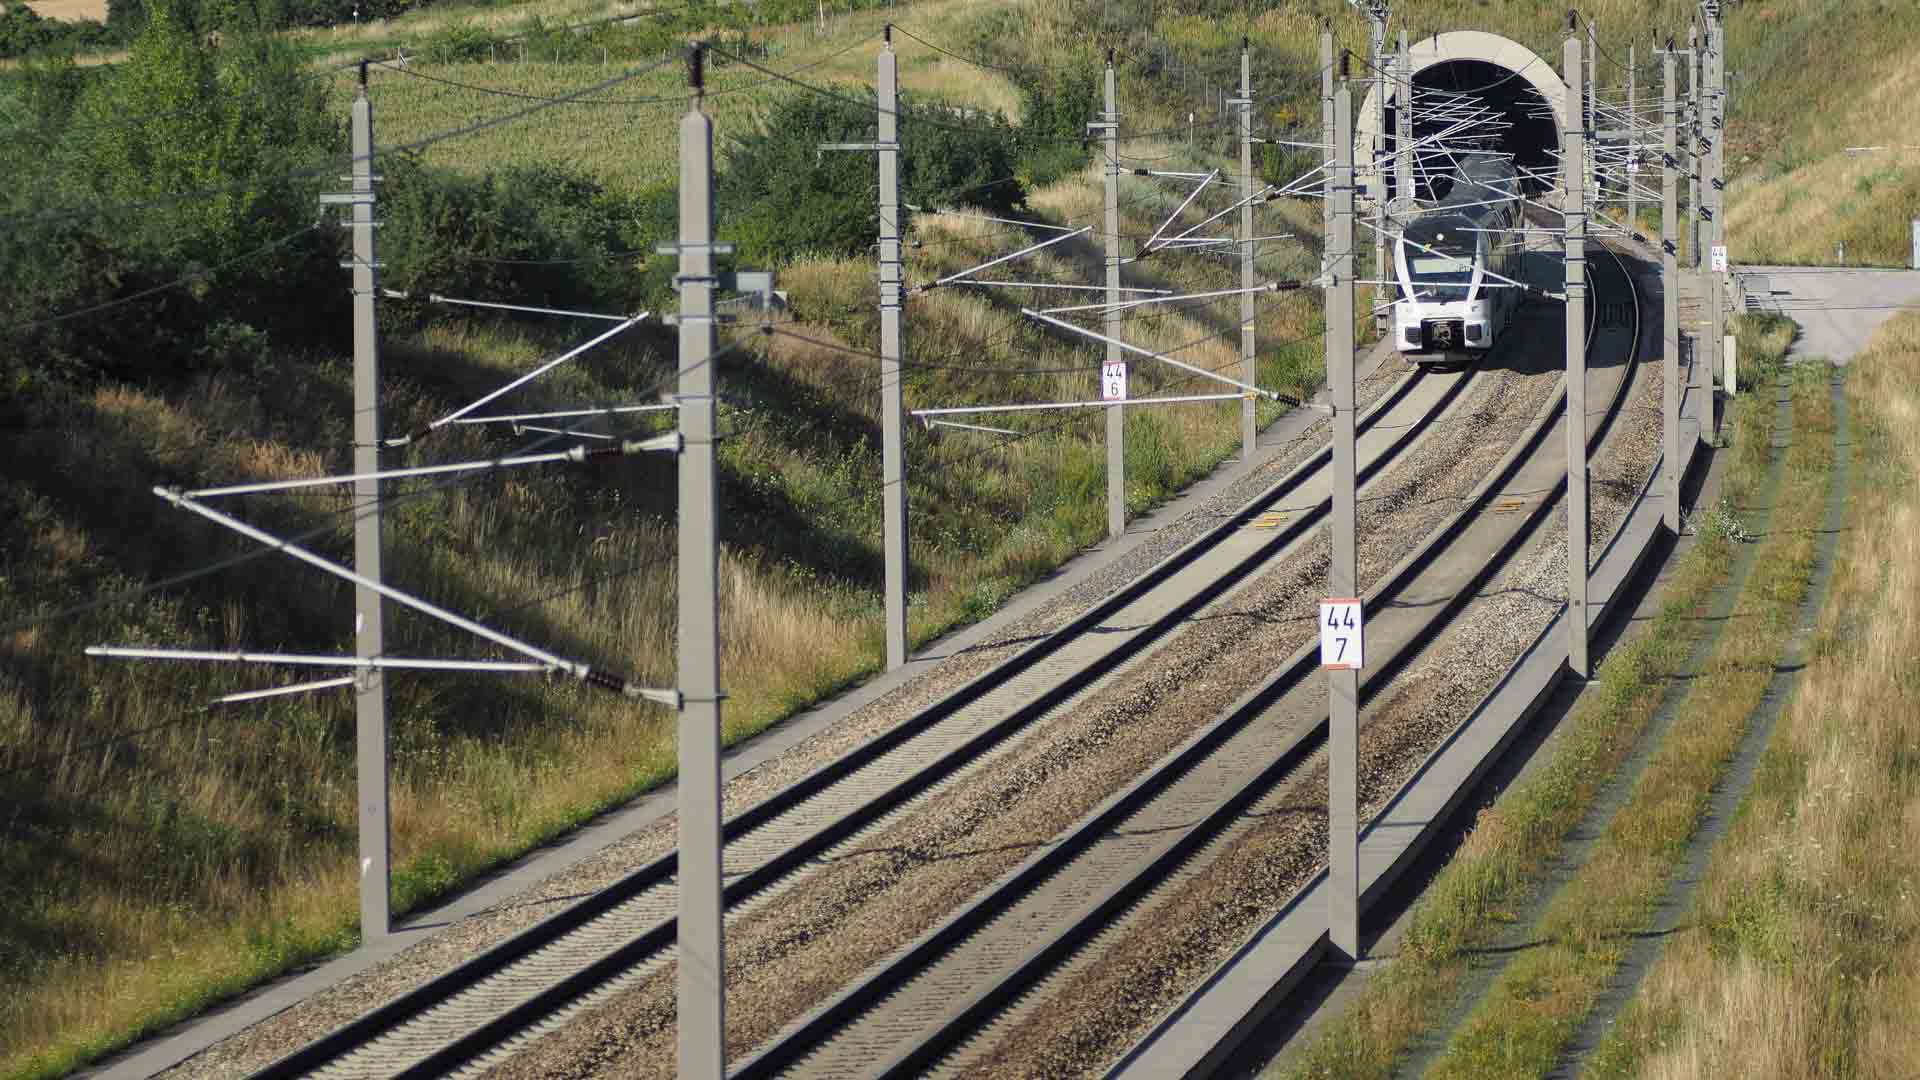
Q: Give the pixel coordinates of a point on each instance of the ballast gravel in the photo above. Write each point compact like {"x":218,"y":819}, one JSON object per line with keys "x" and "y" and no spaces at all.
{"x":786,"y":957}
{"x":265,"y":1042}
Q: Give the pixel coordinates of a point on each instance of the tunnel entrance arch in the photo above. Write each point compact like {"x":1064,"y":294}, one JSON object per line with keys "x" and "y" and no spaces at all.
{"x":1506,"y":75}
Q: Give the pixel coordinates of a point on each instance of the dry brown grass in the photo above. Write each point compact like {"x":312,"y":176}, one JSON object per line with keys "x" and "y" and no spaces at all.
{"x":70,"y":9}
{"x":1521,"y":1026}
{"x":1801,"y":957}
{"x":253,"y":808}
{"x":1794,"y":210}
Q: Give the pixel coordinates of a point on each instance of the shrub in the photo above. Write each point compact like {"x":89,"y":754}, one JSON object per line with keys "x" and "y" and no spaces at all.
{"x":24,"y":32}
{"x":780,"y":196}
{"x":209,"y":154}
{"x":528,"y":233}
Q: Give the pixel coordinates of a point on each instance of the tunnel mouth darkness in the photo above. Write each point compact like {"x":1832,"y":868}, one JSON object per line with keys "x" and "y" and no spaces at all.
{"x":1530,"y":133}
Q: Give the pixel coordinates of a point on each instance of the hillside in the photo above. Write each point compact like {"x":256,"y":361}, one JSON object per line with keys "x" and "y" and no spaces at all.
{"x":155,"y":856}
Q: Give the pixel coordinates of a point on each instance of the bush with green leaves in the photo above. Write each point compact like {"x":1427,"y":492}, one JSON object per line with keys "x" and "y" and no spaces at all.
{"x":24,"y":32}
{"x":529,"y":234}
{"x":191,"y":162}
{"x":781,"y":197}
{"x":1053,"y":133}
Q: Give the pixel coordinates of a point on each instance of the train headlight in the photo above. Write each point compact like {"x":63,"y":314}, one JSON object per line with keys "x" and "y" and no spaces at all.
{"x":1476,"y":332}
{"x":1412,"y":335}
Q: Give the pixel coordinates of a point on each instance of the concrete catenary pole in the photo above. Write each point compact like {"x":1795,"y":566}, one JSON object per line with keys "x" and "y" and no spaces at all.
{"x":1574,"y":157}
{"x":1670,"y":287}
{"x":1116,"y":414}
{"x":1403,"y":124}
{"x":370,"y":686}
{"x":1377,"y":16}
{"x":1695,"y":129}
{"x":1343,"y":684}
{"x":893,"y":498}
{"x":1249,"y":355}
{"x":702,"y":979}
{"x":1590,"y":98}
{"x":1714,"y":189}
{"x":1633,"y":137}
{"x":1326,"y":150}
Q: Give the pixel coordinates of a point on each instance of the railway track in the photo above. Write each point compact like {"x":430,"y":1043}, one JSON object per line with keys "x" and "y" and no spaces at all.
{"x":958,"y":996}
{"x":479,"y":1013}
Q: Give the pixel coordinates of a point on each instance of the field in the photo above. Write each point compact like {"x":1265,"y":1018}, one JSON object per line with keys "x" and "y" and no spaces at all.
{"x":71,"y":9}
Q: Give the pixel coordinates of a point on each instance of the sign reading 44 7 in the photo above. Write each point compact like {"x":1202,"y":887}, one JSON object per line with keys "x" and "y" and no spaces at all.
{"x":1113,"y":381}
{"x":1342,"y":640}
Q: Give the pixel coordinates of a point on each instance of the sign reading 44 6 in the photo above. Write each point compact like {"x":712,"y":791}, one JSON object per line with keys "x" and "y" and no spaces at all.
{"x":1342,"y":640}
{"x":1113,"y":381}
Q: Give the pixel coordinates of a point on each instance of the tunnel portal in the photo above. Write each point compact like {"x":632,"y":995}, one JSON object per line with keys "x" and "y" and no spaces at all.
{"x":1461,"y":73}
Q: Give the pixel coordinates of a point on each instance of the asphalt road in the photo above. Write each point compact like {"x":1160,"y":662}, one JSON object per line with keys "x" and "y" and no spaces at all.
{"x":1838,"y":308}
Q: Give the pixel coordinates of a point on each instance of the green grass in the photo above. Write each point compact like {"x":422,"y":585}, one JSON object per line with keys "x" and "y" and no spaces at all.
{"x":1522,"y":1025}
{"x":1799,"y":955}
{"x":1515,"y":844}
{"x":253,"y":809}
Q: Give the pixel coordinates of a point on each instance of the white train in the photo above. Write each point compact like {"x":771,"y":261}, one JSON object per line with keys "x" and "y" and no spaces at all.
{"x":1449,"y":309}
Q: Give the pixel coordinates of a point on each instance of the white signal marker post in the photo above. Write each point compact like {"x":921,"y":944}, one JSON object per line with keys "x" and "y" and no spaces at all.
{"x":1343,"y":683}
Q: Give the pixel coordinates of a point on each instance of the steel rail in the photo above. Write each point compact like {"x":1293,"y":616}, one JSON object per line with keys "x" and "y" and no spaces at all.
{"x":536,"y":1005}
{"x":967,"y":1018}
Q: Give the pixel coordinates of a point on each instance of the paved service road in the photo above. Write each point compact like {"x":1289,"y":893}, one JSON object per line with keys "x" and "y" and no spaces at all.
{"x":1838,"y":309}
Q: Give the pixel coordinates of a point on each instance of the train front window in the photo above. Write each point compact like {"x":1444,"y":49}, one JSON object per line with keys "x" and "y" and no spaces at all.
{"x":1439,"y":278}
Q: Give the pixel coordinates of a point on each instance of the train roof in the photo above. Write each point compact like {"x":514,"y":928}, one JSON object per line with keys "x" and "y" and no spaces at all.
{"x":1446,"y":231}
{"x":1482,"y":177}
{"x":1483,"y":184}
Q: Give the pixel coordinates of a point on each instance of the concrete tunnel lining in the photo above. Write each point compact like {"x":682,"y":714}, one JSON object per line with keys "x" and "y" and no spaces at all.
{"x":1465,"y":48}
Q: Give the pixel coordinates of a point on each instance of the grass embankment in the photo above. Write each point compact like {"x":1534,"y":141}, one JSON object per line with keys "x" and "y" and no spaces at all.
{"x":158,"y":857}
{"x":1801,"y":957}
{"x":1516,"y":843}
{"x":1792,"y":193}
{"x":1522,"y":1025}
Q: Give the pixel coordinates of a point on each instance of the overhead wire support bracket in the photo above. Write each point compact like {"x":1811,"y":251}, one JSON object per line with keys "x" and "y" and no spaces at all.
{"x":568,"y":414}
{"x":436,"y":298}
{"x":1132,"y":348}
{"x":959,"y":278}
{"x":455,"y":415}
{"x":1178,"y":210}
{"x":575,"y":668}
{"x":926,"y":423}
{"x":134,"y":652}
{"x":1271,"y":286}
{"x":1042,"y":406}
{"x":578,"y":455}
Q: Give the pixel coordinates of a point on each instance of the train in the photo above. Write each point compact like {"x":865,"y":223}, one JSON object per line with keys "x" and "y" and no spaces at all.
{"x":1448,"y":308}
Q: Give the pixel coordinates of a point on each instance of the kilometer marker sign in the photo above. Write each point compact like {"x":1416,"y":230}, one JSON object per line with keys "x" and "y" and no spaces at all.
{"x":1342,"y":640}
